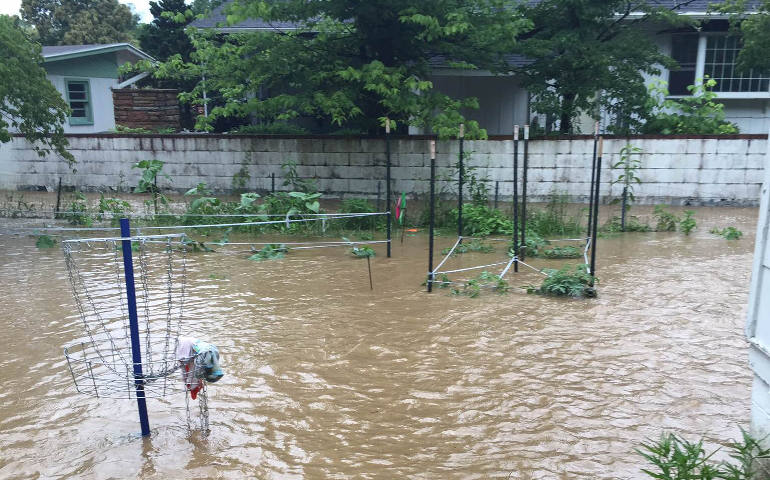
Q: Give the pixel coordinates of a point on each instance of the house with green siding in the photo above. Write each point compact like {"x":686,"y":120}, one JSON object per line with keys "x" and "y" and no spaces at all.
{"x":86,"y":75}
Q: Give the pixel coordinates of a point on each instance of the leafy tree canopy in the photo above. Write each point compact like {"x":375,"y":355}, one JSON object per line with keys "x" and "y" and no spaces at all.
{"x":74,"y":22}
{"x":587,"y":53}
{"x":350,"y":63}
{"x":754,"y":28}
{"x":29,"y":103}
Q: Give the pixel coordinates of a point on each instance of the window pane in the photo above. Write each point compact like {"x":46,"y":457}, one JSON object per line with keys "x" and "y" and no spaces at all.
{"x":77,"y":87}
{"x":77,"y":95}
{"x":74,"y":105}
{"x":721,"y":55}
{"x":78,"y":113}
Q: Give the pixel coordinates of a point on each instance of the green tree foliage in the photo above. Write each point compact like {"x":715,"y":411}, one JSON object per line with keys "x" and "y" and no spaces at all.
{"x":349,"y":64}
{"x":29,"y":103}
{"x":591,"y":52}
{"x":75,"y":22}
{"x":697,"y":114}
{"x":165,"y":35}
{"x":754,"y":26}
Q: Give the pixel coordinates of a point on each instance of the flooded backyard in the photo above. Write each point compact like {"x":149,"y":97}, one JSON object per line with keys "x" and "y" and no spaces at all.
{"x":325,"y":378}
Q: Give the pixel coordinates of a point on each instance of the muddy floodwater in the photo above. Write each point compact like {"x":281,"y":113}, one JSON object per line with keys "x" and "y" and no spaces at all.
{"x":326,"y":378}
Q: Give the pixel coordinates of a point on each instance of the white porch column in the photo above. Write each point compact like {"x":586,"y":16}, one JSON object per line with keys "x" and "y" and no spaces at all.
{"x":758,"y":321}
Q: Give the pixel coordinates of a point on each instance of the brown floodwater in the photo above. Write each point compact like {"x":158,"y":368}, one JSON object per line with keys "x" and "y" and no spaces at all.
{"x":326,"y":378}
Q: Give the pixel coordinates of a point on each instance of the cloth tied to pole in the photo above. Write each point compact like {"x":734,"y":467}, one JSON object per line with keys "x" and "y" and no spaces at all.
{"x":199,"y":362}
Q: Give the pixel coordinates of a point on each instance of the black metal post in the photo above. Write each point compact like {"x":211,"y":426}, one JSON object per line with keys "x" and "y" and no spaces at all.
{"x":58,"y":200}
{"x":432,"y":213}
{"x":136,"y":354}
{"x":497,"y":191}
{"x":272,"y":183}
{"x":379,"y":196}
{"x":589,"y":225}
{"x":623,"y":206}
{"x":523,"y":249}
{"x":596,"y":207}
{"x":516,"y":197}
{"x":387,"y":179}
{"x":460,"y":180}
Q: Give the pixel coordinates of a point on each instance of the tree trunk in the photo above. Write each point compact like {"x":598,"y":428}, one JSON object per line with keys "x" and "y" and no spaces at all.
{"x":567,"y":107}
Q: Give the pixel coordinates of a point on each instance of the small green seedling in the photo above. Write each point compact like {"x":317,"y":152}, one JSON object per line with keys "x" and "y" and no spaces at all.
{"x":472,"y":288}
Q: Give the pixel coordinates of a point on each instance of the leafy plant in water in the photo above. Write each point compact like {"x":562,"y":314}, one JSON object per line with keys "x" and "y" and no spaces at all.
{"x":269,"y":252}
{"x":44,"y":241}
{"x":474,"y":245}
{"x":480,"y":220}
{"x":362,"y":252}
{"x":666,"y":221}
{"x":555,"y":219}
{"x":633,"y":224}
{"x":730,"y":233}
{"x":561,"y":252}
{"x":675,"y":458}
{"x":113,"y":206}
{"x":687,"y":223}
{"x":77,"y":211}
{"x":472,"y":288}
{"x":358,"y":205}
{"x":630,"y":163}
{"x":292,"y":179}
{"x":569,"y":281}
{"x":148,"y":182}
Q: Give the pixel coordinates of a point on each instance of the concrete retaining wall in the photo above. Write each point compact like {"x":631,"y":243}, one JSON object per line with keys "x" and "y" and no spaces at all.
{"x":694,"y":170}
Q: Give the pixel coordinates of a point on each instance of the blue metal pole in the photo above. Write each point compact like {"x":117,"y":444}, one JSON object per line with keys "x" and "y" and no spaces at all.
{"x":136,"y":354}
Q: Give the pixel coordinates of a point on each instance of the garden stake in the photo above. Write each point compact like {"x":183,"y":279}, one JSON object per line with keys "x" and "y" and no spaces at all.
{"x":387,"y":179}
{"x":272,"y":183}
{"x":369,"y":265}
{"x":589,"y":226}
{"x":524,"y":195}
{"x":460,"y":178}
{"x":432,"y":212}
{"x":596,"y":208}
{"x":497,"y":191}
{"x":516,"y":197}
{"x":58,"y":199}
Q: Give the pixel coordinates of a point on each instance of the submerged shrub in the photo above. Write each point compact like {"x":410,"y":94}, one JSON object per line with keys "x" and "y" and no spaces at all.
{"x":568,"y":281}
{"x":730,"y":233}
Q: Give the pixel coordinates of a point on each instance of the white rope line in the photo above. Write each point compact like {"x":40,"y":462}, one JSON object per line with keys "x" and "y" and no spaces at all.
{"x":567,"y":239}
{"x":244,"y":224}
{"x":533,"y":268}
{"x":184,"y":214}
{"x":118,"y":239}
{"x":585,"y":255}
{"x":331,"y":244}
{"x":451,"y":251}
{"x":247,"y":224}
{"x":470,"y":268}
{"x":507,"y":267}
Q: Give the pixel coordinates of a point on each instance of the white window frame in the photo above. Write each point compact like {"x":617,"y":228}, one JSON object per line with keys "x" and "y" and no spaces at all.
{"x":700,"y":68}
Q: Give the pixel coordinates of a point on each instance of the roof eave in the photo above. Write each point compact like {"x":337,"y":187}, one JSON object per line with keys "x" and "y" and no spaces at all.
{"x":98,"y":51}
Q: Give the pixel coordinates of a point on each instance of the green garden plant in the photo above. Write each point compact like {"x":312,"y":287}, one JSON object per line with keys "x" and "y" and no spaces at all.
{"x":148,"y":182}
{"x":44,"y":241}
{"x":475,"y":245}
{"x":292,"y":179}
{"x":472,"y":288}
{"x":630,"y":162}
{"x":77,"y":211}
{"x":115,"y":207}
{"x":269,"y":252}
{"x":674,"y":458}
{"x":561,"y":252}
{"x":666,"y":221}
{"x":697,"y":113}
{"x":687,"y":223}
{"x":730,"y":233}
{"x":569,"y":281}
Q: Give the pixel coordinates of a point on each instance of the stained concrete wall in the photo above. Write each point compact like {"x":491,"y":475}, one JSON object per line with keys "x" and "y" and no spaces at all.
{"x":695,"y":170}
